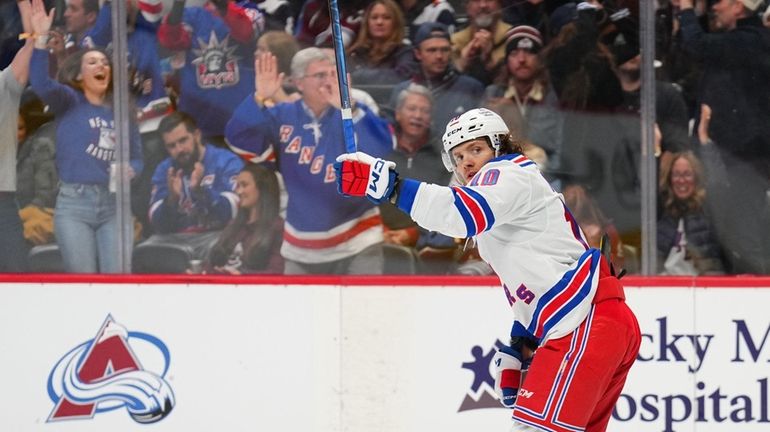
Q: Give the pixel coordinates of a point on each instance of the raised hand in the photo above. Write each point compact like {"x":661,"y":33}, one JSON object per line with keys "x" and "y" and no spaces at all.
{"x":174,"y":183}
{"x":703,"y":125}
{"x":267,"y":79}
{"x":39,"y":20}
{"x":333,"y":87}
{"x":196,"y":176}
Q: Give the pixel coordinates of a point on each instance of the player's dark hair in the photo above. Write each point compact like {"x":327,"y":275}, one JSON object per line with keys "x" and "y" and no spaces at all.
{"x":509,"y":144}
{"x":171,"y":121}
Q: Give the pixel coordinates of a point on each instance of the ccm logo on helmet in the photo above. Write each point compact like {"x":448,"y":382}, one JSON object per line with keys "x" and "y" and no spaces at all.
{"x":453,"y":131}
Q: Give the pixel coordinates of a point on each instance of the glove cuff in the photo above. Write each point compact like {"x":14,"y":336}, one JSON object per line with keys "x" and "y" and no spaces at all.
{"x":396,"y":189}
{"x":510,"y":378}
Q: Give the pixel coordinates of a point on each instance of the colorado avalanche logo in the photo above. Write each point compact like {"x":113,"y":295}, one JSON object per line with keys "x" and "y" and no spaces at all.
{"x":104,"y":374}
{"x":482,"y":392}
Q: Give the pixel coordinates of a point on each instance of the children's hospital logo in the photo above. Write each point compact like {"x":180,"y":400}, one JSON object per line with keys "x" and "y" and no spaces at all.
{"x":105,"y":374}
{"x":482,"y":391}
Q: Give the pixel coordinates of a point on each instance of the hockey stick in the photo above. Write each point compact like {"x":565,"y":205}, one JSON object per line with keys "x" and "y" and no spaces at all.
{"x":342,"y":78}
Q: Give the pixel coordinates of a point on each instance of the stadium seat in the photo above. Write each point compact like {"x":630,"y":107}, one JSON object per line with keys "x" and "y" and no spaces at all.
{"x":150,"y":257}
{"x":45,"y":259}
{"x":399,"y":259}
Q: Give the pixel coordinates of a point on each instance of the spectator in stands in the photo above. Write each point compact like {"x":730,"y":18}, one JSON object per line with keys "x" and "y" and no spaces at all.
{"x":524,"y":97}
{"x":580,"y":66}
{"x":687,"y":239}
{"x":671,"y":126}
{"x":283,"y":46}
{"x":324,"y":232}
{"x":279,"y":15}
{"x":314,"y":25}
{"x":146,"y":81}
{"x":676,"y":65}
{"x":214,"y":45}
{"x":416,"y":154}
{"x":13,"y":79}
{"x":37,"y":179}
{"x":453,"y":92}
{"x":379,"y":58}
{"x":414,"y":137}
{"x":251,"y":243}
{"x":533,"y":13}
{"x":79,"y":17}
{"x":670,"y":109}
{"x":86,"y":216}
{"x":479,"y":49}
{"x":419,"y":12}
{"x":600,"y":151}
{"x":193,"y":188}
{"x":735,"y":84}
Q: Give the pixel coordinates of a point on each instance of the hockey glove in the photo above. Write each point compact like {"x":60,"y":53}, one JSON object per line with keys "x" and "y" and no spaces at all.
{"x":507,"y":363}
{"x":359,"y":174}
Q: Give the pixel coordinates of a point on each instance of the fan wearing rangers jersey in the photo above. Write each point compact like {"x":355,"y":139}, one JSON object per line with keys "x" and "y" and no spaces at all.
{"x":193,"y":189}
{"x":213,"y":46}
{"x":323,"y":232}
{"x":568,"y":307}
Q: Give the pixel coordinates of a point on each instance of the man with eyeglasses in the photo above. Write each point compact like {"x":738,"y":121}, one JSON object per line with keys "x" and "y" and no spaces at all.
{"x":416,"y":155}
{"x":453,"y":92}
{"x":324,"y":232}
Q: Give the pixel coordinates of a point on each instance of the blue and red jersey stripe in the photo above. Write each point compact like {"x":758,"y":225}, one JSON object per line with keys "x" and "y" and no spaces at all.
{"x":474,"y":210}
{"x":566,"y":295}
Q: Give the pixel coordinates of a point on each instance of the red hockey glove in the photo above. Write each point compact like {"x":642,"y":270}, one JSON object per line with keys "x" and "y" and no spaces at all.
{"x":359,"y":174}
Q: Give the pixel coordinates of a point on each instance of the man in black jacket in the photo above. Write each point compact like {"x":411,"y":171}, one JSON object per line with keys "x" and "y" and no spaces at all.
{"x":453,"y":92}
{"x":736,"y":85}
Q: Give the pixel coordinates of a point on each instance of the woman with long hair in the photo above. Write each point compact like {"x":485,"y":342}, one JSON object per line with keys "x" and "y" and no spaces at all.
{"x":85,"y":218}
{"x":251,"y":243}
{"x":687,"y":241}
{"x":379,"y":54}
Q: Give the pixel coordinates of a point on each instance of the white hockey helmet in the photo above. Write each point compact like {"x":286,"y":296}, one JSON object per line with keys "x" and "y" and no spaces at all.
{"x":476,"y":123}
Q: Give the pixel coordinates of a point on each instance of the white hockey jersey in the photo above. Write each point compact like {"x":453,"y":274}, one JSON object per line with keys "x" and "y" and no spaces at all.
{"x":525,"y":232}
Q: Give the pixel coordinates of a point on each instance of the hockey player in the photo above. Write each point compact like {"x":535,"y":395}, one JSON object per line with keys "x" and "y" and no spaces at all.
{"x":566,"y":302}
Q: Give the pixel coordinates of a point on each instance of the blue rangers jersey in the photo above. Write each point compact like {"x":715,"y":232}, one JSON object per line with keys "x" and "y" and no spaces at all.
{"x":321,"y":225}
{"x":216,"y":69}
{"x":85,"y":133}
{"x":525,"y":232}
{"x":212,"y":210}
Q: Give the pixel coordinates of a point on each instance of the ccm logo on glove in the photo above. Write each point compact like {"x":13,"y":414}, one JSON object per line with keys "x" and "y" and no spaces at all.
{"x":376,"y":175}
{"x":359,"y":174}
